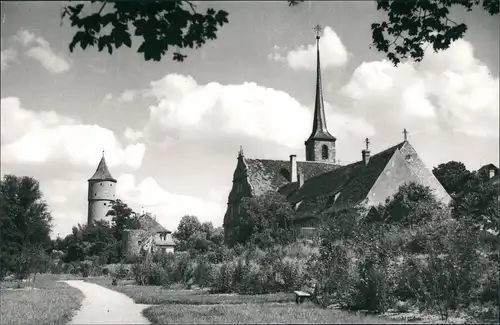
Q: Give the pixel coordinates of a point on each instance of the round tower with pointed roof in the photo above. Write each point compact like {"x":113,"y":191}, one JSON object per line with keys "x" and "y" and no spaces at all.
{"x":102,"y":193}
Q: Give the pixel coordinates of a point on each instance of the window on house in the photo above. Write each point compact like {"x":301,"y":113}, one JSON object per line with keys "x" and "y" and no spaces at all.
{"x":139,"y":242}
{"x":105,"y":204}
{"x":101,"y":183}
{"x":324,"y":151}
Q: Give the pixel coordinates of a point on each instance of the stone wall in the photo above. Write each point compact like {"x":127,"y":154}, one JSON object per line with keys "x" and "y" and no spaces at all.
{"x":137,"y":239}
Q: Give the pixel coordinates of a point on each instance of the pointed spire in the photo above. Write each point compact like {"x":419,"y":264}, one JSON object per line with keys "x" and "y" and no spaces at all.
{"x":319,"y":131}
{"x":102,"y":172}
{"x":240,"y":152}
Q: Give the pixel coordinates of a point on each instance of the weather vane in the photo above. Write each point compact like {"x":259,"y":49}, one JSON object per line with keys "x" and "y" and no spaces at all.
{"x":318,"y":30}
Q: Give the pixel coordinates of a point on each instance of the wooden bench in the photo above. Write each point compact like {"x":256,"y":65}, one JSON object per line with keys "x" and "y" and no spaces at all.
{"x":300,"y":296}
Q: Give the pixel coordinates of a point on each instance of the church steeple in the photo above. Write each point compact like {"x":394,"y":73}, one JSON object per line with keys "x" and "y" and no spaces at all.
{"x":320,"y":146}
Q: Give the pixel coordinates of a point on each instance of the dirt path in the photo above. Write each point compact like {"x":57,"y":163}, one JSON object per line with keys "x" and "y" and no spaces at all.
{"x":104,"y":306}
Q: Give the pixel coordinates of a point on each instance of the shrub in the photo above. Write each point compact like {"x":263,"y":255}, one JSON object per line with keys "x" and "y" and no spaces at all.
{"x":204,"y":273}
{"x":222,"y":282}
{"x":150,"y":273}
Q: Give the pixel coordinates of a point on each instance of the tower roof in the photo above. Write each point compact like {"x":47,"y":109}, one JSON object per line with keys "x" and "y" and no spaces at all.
{"x":102,"y":172}
{"x":319,"y":130}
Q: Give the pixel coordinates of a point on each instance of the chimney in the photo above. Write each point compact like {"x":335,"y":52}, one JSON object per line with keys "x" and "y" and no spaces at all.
{"x":293,"y":168}
{"x":300,"y":178}
{"x":366,"y":156}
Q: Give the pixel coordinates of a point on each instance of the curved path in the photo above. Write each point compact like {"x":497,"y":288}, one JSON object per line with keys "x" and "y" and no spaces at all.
{"x":104,"y":306}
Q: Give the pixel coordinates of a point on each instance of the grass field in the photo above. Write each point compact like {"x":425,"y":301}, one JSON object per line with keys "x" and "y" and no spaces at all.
{"x":157,"y":295}
{"x":45,"y":302}
{"x":248,"y":313}
{"x":200,"y":307}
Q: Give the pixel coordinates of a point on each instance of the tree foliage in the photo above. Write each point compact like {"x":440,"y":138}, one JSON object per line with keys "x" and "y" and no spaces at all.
{"x":479,"y":202}
{"x":410,"y":27}
{"x":101,"y":240}
{"x":25,"y":219}
{"x":413,"y":25}
{"x":453,"y":175}
{"x":413,"y":204}
{"x":196,"y":237}
{"x":163,"y":26}
{"x":123,"y":218}
{"x":264,"y":220}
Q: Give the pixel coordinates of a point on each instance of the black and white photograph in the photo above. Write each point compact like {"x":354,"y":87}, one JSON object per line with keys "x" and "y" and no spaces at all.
{"x":250,"y":162}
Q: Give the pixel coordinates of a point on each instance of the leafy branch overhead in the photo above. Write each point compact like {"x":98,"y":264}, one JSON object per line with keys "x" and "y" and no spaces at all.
{"x":163,"y":26}
{"x":174,"y":25}
{"x":412,"y":25}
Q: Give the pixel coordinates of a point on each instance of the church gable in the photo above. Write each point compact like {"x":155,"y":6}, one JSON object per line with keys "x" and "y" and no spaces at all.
{"x":424,"y":174}
{"x":395,"y":174}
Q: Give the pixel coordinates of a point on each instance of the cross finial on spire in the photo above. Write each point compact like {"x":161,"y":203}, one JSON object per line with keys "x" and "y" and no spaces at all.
{"x":103,"y":152}
{"x":367,"y":143}
{"x":405,"y":133}
{"x":318,"y":30}
{"x":240,"y":152}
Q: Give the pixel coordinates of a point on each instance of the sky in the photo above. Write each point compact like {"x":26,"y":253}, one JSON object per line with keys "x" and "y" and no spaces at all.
{"x":172,"y":131}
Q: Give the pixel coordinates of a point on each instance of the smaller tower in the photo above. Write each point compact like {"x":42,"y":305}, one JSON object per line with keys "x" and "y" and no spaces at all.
{"x":102,"y":193}
{"x":320,"y":146}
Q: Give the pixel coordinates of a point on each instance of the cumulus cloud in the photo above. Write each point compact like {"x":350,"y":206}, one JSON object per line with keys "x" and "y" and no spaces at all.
{"x":8,"y":56}
{"x":193,"y":111}
{"x":40,"y":50}
{"x":333,"y":53}
{"x":127,"y":96}
{"x":168,"y":207}
{"x":38,"y":137}
{"x":132,"y":135}
{"x":447,"y":91}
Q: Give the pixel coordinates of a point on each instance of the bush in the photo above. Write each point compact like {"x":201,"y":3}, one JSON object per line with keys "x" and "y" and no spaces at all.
{"x":222,"y":281}
{"x":150,"y":273}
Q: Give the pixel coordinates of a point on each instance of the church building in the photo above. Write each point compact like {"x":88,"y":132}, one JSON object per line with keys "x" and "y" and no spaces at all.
{"x":320,"y":182}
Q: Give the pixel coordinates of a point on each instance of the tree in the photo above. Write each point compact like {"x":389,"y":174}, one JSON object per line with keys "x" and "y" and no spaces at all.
{"x":24,"y":219}
{"x":479,"y":203}
{"x":175,"y":24}
{"x":196,"y":237}
{"x":187,"y":227}
{"x":265,"y":220}
{"x":413,"y":25}
{"x":123,"y":218}
{"x":163,"y":25}
{"x":453,"y":175}
{"x":413,"y":204}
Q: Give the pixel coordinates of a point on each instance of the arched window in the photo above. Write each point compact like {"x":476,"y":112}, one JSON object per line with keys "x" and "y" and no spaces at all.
{"x":324,"y":151}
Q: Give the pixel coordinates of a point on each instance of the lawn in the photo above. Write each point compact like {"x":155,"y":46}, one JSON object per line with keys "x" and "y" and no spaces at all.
{"x":157,"y":295}
{"x":200,"y":307}
{"x":46,"y":301}
{"x":249,"y":313}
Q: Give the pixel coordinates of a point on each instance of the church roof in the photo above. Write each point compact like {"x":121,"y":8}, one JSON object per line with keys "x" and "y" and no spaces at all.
{"x":269,"y":175}
{"x":346,"y":185}
{"x":102,"y":172}
{"x":149,"y":224}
